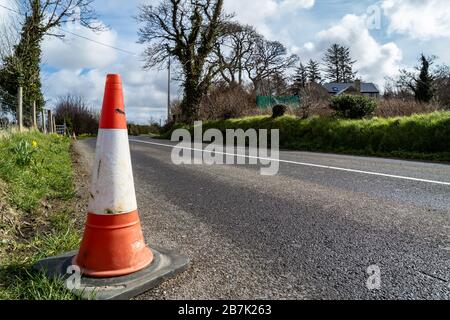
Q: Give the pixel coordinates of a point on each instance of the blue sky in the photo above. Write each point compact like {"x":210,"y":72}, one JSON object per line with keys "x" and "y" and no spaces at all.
{"x":383,"y":36}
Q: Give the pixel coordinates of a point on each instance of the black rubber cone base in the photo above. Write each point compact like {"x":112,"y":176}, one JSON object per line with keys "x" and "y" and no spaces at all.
{"x":166,"y":264}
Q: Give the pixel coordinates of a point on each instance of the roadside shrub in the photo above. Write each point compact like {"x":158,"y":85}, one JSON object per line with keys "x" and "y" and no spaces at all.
{"x":79,"y":118}
{"x":353,"y":107}
{"x":278,"y":111}
{"x":394,"y":107}
{"x":314,"y":101}
{"x":137,"y":129}
{"x":154,"y":128}
{"x":133,"y":130}
{"x":226,"y":101}
{"x":423,"y":136}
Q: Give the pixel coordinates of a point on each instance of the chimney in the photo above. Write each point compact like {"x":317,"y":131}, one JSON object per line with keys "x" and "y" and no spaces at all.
{"x":357,"y":85}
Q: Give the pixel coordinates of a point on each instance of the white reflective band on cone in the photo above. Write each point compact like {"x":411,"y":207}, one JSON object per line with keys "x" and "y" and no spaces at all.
{"x":112,"y":188}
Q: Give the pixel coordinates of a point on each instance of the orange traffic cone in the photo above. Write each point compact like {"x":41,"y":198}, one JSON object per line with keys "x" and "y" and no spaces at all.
{"x":113,"y":244}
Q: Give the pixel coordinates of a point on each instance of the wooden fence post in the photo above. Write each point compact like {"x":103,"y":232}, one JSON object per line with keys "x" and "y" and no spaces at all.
{"x":34,"y":115}
{"x":20,"y":108}
{"x":44,"y":125}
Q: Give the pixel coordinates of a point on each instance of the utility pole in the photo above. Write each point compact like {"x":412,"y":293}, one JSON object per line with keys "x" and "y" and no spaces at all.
{"x":34,"y":115}
{"x":44,"y":125}
{"x":20,"y":108}
{"x":168,"y":92}
{"x":54,"y":124}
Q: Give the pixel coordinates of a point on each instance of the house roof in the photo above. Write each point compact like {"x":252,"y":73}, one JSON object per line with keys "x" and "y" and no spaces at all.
{"x":339,"y":88}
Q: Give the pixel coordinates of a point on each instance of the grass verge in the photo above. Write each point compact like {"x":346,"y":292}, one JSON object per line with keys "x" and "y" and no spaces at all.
{"x":37,"y":219}
{"x":421,"y":137}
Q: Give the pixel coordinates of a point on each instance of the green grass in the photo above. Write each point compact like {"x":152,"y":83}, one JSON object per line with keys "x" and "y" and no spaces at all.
{"x":425,"y":136}
{"x":48,"y":177}
{"x":86,"y":136}
{"x":36,"y":171}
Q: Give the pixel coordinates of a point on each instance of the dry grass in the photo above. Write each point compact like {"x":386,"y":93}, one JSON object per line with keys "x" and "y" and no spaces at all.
{"x":403,"y":108}
{"x":226,"y":102}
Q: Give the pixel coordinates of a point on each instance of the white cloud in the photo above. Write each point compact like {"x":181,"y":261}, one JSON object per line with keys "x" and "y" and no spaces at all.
{"x":297,"y":4}
{"x":75,"y":53}
{"x":5,"y":13}
{"x":422,"y":20}
{"x":144,"y":91}
{"x":82,"y":65}
{"x":9,"y":28}
{"x":260,"y":13}
{"x":375,"y":61}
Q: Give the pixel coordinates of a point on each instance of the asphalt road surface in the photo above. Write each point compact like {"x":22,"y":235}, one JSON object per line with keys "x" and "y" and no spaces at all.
{"x":310,"y":232}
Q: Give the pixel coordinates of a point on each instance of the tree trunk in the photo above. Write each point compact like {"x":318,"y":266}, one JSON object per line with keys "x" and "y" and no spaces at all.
{"x":191,"y":101}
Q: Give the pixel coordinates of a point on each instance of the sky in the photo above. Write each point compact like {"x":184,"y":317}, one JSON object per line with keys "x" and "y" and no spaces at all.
{"x":383,"y":36}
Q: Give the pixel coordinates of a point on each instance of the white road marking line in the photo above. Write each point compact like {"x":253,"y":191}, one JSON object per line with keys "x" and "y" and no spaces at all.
{"x":302,"y":164}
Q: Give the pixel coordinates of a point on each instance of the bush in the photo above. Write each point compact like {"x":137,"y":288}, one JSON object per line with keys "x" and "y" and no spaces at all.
{"x":394,"y":107}
{"x":79,"y":118}
{"x":138,"y":129}
{"x":278,"y":111}
{"x":226,"y":101}
{"x":133,"y":130}
{"x":353,"y":107}
{"x":417,"y":137}
{"x":314,"y":101}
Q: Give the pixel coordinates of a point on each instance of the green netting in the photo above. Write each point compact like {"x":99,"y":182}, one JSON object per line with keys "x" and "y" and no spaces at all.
{"x":265,"y":102}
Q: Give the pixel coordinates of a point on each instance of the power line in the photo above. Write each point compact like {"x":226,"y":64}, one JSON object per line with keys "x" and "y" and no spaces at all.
{"x":80,"y":36}
{"x":2,"y":99}
{"x":98,"y":42}
{"x":9,"y":9}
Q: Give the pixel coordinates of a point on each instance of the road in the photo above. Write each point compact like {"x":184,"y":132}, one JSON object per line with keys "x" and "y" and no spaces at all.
{"x":310,"y":232}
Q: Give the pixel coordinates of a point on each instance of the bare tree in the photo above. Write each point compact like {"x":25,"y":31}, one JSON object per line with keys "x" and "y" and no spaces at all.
{"x":189,"y":31}
{"x":51,"y":14}
{"x":396,"y":89}
{"x":278,"y":85}
{"x":267,"y":58}
{"x":442,"y":84}
{"x":235,"y":45}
